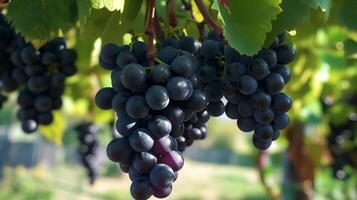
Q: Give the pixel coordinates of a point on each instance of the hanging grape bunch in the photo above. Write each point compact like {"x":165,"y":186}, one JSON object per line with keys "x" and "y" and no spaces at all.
{"x":341,"y":138}
{"x":253,"y":87}
{"x":46,"y":71}
{"x":9,"y":41}
{"x":88,"y":148}
{"x":164,"y":98}
{"x":38,"y":74}
{"x":157,"y":109}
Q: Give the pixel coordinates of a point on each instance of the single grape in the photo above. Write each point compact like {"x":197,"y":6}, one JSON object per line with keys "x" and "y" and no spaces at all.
{"x":261,"y":100}
{"x":246,"y":124}
{"x":263,"y":132}
{"x":160,"y":74}
{"x":264,"y":116}
{"x":173,"y":159}
{"x":29,"y":126}
{"x":261,"y":145}
{"x":258,"y":68}
{"x":103,"y":98}
{"x":162,"y":192}
{"x":281,"y":103}
{"x":281,"y":121}
{"x":136,"y":107}
{"x":133,"y":76}
{"x":162,"y":176}
{"x":179,"y":88}
{"x":124,"y":58}
{"x":210,"y":49}
{"x":197,"y":102}
{"x":141,"y":188}
{"x":182,"y":66}
{"x":157,"y":97}
{"x":247,"y":85}
{"x":144,"y":162}
{"x":274,"y":83}
{"x":285,"y":54}
{"x":140,"y":140}
{"x":159,"y":126}
{"x":119,"y":150}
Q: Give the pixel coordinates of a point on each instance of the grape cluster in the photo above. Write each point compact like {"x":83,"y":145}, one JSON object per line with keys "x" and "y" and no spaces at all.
{"x":8,"y":43}
{"x":38,"y":74}
{"x":88,"y":148}
{"x":341,"y":140}
{"x":155,"y":105}
{"x":164,"y":108}
{"x":45,"y":72}
{"x":253,"y":85}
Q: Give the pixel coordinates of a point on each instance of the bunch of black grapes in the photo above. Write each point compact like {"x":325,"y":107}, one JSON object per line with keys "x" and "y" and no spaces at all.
{"x":38,"y":74}
{"x":341,"y":141}
{"x":9,"y":42}
{"x":44,"y":73}
{"x":88,"y":148}
{"x":253,"y":87}
{"x":153,"y":104}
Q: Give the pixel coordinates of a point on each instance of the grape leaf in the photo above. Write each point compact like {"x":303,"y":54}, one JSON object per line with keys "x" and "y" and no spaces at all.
{"x":83,"y":7}
{"x":131,"y":9}
{"x":348,"y":14}
{"x":108,"y":4}
{"x":294,"y":12}
{"x":324,"y":5}
{"x":42,"y":19}
{"x":246,"y":23}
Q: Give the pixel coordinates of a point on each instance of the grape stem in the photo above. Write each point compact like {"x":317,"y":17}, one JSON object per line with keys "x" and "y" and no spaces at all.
{"x":171,"y":12}
{"x":200,"y":26}
{"x":158,"y":31}
{"x":3,"y":4}
{"x":208,"y":18}
{"x":261,"y":164}
{"x":150,"y":28}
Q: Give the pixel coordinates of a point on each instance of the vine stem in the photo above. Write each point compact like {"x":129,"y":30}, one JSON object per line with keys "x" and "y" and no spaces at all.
{"x":200,"y":26}
{"x":158,"y":31}
{"x":261,"y":163}
{"x":171,"y":12}
{"x":208,"y":18}
{"x":150,"y":28}
{"x":3,"y":4}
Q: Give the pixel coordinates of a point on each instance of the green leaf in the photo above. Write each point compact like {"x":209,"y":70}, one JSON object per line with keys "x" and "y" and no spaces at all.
{"x":108,"y":4}
{"x":131,"y":9}
{"x":246,"y":23}
{"x":83,"y":7}
{"x":105,"y":24}
{"x":348,"y":14}
{"x":42,"y":19}
{"x":324,"y":5}
{"x":294,"y":12}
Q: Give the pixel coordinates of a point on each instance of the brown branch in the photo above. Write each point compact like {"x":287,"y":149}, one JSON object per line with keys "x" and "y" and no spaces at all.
{"x":150,"y":28}
{"x":200,"y":26}
{"x":301,"y":161}
{"x":3,"y":4}
{"x":171,"y":12}
{"x":208,"y":18}
{"x":261,"y":163}
{"x":158,"y":31}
